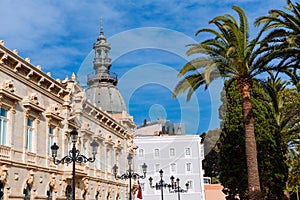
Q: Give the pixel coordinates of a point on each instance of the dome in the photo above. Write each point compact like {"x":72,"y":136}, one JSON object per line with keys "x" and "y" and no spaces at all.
{"x":107,"y":97}
{"x":102,"y":90}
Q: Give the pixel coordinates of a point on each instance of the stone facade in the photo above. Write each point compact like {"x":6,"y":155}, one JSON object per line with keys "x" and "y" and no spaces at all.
{"x":36,"y":111}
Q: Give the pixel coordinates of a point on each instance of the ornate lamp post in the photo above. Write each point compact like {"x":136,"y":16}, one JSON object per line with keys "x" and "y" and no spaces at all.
{"x":74,"y":156}
{"x":160,"y":185}
{"x":174,"y":187}
{"x":130,"y":174}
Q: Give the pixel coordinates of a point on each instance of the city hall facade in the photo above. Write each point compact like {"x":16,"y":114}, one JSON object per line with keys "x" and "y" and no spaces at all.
{"x":37,"y":111}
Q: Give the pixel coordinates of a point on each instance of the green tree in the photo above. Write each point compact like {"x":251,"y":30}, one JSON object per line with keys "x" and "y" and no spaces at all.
{"x":230,"y":54}
{"x":294,"y":171}
{"x":271,"y":160}
{"x":283,"y":37}
{"x":211,"y":160}
{"x":285,"y":107}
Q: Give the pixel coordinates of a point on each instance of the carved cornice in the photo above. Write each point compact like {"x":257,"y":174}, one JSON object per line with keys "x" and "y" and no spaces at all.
{"x":52,"y":115}
{"x":86,"y":132}
{"x":32,"y":108}
{"x":99,"y":136}
{"x":74,"y":123}
{"x":18,"y":67}
{"x":8,"y":98}
{"x":108,"y":141}
{"x":53,"y":119}
{"x":118,"y":145}
{"x":105,"y":120}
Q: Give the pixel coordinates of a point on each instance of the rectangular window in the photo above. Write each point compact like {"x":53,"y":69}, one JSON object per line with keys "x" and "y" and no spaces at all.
{"x":173,"y":167}
{"x":172,"y":152}
{"x":190,"y":184}
{"x":109,"y":160}
{"x":50,"y":139}
{"x":187,"y":151}
{"x":69,"y":144}
{"x":29,"y":134}
{"x":188,"y":167}
{"x":98,"y":158}
{"x":156,"y":152}
{"x":3,"y":126}
{"x":141,"y":153}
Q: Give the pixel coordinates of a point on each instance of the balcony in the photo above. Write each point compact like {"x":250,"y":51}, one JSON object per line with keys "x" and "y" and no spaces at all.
{"x":5,"y":152}
{"x":93,"y":78}
{"x":31,"y":158}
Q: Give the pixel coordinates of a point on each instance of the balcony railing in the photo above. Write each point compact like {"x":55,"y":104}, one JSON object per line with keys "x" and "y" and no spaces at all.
{"x":31,"y":158}
{"x":111,"y":77}
{"x":5,"y":152}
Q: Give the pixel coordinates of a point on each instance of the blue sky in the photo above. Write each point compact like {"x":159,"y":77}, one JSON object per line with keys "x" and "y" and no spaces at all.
{"x":148,"y":41}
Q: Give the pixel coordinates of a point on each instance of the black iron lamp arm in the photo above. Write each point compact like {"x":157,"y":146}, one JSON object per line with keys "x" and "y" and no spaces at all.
{"x":171,"y":190}
{"x":159,"y":185}
{"x":138,"y":176}
{"x":130,"y":175}
{"x":123,"y":176}
{"x":71,"y":158}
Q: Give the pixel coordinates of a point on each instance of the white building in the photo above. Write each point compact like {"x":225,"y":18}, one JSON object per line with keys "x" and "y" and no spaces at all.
{"x":177,"y":155}
{"x":161,"y":126}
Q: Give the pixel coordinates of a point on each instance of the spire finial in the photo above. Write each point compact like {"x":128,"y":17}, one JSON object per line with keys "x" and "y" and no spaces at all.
{"x":101,"y":25}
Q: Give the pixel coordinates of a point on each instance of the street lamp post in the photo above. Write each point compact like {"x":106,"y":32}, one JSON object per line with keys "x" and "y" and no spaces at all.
{"x":74,"y":156}
{"x":129,"y":174}
{"x":174,"y":187}
{"x":160,"y":185}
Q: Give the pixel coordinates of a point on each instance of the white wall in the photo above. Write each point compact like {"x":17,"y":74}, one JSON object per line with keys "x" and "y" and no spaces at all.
{"x":164,"y":143}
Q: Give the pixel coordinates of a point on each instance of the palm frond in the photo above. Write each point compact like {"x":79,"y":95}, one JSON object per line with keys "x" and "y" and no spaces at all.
{"x":194,"y":65}
{"x":191,"y":81}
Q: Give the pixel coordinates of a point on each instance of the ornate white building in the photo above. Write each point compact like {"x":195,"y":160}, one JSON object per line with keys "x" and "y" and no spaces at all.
{"x":37,"y":110}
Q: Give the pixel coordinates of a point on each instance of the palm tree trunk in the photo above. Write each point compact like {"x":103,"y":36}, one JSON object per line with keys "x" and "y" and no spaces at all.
{"x":254,"y":192}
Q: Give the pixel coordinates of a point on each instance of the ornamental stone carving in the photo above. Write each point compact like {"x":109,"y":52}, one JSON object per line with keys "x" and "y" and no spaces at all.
{"x":8,"y":85}
{"x":32,"y":107}
{"x":52,"y":183}
{"x":4,"y":174}
{"x":32,"y":98}
{"x":30,"y":179}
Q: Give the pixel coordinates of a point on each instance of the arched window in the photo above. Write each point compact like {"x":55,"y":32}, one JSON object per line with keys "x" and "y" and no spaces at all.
{"x":26,"y":192}
{"x":84,"y":195}
{"x":97,"y":195}
{"x":49,"y":194}
{"x":68,"y":192}
{"x":1,"y":191}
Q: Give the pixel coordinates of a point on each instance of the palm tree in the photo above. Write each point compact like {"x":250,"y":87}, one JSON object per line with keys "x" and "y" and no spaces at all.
{"x":230,"y":54}
{"x":284,"y":106}
{"x":283,"y":35}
